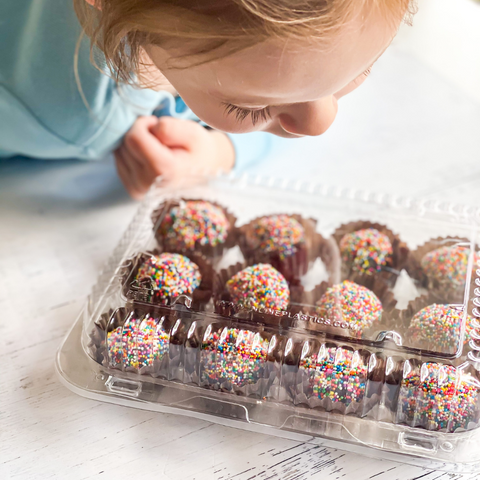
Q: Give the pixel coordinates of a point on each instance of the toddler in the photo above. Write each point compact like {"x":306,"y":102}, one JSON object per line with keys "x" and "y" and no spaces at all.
{"x":80,"y":79}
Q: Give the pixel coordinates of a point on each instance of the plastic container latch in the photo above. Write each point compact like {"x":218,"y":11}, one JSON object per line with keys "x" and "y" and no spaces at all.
{"x":181,"y":302}
{"x":389,"y":335}
{"x":122,"y":386}
{"x":416,"y":441}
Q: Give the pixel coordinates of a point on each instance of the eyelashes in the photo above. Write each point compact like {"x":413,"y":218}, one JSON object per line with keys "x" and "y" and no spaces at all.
{"x":241,"y":114}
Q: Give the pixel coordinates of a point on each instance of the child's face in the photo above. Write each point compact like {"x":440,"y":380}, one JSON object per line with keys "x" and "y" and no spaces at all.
{"x":298,"y":84}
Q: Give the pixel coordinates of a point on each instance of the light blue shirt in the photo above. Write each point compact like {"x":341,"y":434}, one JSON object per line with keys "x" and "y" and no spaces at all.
{"x":42,"y":113}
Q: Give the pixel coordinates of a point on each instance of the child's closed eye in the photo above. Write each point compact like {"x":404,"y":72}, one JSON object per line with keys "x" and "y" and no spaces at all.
{"x":242,"y":114}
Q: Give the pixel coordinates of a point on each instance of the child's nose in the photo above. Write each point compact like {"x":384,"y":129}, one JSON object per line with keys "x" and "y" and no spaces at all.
{"x":311,"y":118}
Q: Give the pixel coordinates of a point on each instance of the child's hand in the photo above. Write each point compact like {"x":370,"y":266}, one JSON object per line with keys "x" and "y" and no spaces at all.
{"x":172,"y":148}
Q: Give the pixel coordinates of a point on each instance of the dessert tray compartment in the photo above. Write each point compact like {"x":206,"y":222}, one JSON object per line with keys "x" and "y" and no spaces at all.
{"x":293,"y":309}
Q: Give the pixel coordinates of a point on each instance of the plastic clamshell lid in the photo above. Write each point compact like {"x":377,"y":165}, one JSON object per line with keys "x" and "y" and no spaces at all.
{"x":313,"y":305}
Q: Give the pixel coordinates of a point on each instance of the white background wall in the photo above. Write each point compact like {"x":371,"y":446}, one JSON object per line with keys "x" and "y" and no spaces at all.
{"x":446,"y":36}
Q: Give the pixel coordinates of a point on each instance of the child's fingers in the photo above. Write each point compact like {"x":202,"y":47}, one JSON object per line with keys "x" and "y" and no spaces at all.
{"x":144,"y":170}
{"x":128,"y":175}
{"x":176,"y":133}
{"x":124,"y":175}
{"x":148,"y":149}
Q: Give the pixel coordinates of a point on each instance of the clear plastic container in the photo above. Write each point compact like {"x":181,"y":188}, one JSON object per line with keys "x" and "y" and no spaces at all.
{"x":370,"y":336}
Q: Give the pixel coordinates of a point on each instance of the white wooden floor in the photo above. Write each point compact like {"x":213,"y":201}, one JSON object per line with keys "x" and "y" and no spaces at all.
{"x":409,"y":130}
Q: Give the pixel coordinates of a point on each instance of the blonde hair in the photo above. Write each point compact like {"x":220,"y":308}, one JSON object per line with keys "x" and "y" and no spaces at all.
{"x":210,"y":29}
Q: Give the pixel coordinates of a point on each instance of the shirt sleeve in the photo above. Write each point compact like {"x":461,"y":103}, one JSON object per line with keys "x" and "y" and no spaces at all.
{"x":25,"y":133}
{"x":53,"y":102}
